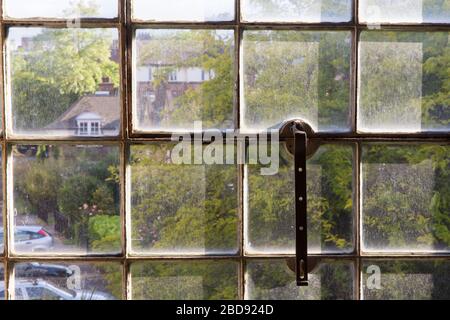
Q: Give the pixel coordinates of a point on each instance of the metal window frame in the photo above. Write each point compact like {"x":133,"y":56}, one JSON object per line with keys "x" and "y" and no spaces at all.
{"x":126,"y":26}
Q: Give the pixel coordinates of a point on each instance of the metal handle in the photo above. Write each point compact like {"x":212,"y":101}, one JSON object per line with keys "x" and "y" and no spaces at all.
{"x":296,"y":134}
{"x":301,"y":239}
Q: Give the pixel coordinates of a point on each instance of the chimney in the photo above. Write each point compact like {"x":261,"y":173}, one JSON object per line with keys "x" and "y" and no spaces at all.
{"x":106,"y":88}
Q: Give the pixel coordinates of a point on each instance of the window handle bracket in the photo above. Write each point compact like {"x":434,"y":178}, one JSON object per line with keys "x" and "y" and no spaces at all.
{"x":296,"y":134}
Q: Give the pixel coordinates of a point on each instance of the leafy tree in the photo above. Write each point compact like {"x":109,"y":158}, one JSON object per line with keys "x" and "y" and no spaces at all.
{"x":61,"y":66}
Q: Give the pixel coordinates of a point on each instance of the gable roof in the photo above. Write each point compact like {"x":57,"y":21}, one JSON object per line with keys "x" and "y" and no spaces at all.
{"x":105,"y":107}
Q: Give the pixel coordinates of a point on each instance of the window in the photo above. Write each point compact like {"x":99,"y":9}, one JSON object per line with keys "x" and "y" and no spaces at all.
{"x":105,"y":202}
{"x":83,"y":129}
{"x":95,"y":128}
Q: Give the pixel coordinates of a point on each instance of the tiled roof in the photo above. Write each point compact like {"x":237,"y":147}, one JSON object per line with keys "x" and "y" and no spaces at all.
{"x":107,"y":107}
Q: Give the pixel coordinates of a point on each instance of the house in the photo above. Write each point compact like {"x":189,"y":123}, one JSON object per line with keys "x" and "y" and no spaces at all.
{"x":90,"y":116}
{"x":154,"y":103}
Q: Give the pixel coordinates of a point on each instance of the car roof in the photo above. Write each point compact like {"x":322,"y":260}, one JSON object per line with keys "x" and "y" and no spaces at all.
{"x":29,"y":228}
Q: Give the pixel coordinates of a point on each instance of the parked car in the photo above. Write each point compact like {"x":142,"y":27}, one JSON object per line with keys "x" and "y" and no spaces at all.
{"x":44,"y":290}
{"x":40,"y":270}
{"x":30,"y":239}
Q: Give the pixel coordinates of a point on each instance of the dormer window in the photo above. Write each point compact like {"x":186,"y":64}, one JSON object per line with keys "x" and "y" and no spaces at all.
{"x":95,"y":128}
{"x":89,"y":124}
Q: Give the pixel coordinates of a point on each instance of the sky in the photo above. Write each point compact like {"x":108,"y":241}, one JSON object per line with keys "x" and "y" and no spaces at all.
{"x":194,"y":10}
{"x":54,"y":8}
{"x":143,"y":9}
{"x":163,"y":10}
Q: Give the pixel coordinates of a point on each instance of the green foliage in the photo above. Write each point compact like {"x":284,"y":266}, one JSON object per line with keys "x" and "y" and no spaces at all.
{"x":330,"y":209}
{"x":182,"y":207}
{"x":406,"y":200}
{"x":105,"y":232}
{"x":211,"y":280}
{"x":63,"y":65}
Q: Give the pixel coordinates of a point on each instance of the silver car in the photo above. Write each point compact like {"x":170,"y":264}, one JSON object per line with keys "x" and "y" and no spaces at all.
{"x":30,"y":239}
{"x":43,"y":290}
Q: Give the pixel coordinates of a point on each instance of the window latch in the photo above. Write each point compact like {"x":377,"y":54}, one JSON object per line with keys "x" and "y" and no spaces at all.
{"x":296,"y":133}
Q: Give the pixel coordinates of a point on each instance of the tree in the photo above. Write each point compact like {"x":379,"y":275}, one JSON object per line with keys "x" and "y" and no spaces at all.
{"x":61,"y":66}
{"x":212,"y":100}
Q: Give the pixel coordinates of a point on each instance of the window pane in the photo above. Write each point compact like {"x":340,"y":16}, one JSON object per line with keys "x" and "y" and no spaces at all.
{"x":67,"y":281}
{"x":181,"y":209}
{"x":309,"y":11}
{"x":405,"y":11}
{"x":274,"y":280}
{"x":292,"y":74}
{"x":60,"y":9}
{"x":183,"y":76}
{"x":186,"y":10}
{"x":66,"y":199}
{"x":194,"y":280}
{"x":403,"y":82}
{"x":270,"y":211}
{"x":62,"y":78}
{"x":2,"y":233}
{"x":406,"y":279}
{"x":405,"y":198}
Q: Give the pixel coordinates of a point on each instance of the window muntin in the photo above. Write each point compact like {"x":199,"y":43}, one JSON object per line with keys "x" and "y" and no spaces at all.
{"x":69,"y":194}
{"x":306,"y":11}
{"x":181,"y":209}
{"x":405,"y":11}
{"x":178,"y":94}
{"x":296,"y":74}
{"x":63,"y":9}
{"x":59,"y":77}
{"x":270,"y":207}
{"x":2,"y":231}
{"x":186,"y":10}
{"x":2,"y":281}
{"x":403,"y":82}
{"x":404,"y":200}
{"x":190,"y":280}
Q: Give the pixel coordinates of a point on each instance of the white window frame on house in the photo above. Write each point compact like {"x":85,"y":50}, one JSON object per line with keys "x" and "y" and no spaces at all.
{"x":83,"y":128}
{"x":129,"y":137}
{"x":89,"y":128}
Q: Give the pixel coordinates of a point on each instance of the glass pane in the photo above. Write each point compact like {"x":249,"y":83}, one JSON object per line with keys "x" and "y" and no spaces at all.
{"x":270,"y":207}
{"x":64,"y":81}
{"x":274,"y":280}
{"x":183,"y":76}
{"x":186,"y":10}
{"x":307,"y":11}
{"x":181,"y":208}
{"x":403,"y":82}
{"x":60,"y":9}
{"x":293,"y":74}
{"x":405,"y":11}
{"x":406,"y":279}
{"x":2,"y":234}
{"x":194,"y":280}
{"x":66,"y":199}
{"x":2,"y":282}
{"x":67,"y":281}
{"x":405,"y":198}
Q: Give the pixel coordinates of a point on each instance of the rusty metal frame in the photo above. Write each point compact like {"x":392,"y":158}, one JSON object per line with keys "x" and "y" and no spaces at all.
{"x":125,"y":25}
